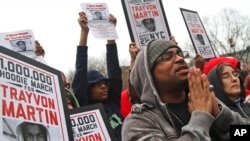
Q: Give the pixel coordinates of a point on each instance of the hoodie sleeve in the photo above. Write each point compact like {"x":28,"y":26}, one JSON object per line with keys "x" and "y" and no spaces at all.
{"x":79,"y":83}
{"x":151,"y":127}
{"x":226,"y":118}
{"x":114,"y":74}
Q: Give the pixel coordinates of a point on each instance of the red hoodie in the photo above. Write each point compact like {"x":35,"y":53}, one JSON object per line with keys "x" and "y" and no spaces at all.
{"x":125,"y":103}
{"x":215,"y":61}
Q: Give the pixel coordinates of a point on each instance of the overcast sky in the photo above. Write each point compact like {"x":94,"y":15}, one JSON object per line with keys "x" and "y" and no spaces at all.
{"x":55,"y":26}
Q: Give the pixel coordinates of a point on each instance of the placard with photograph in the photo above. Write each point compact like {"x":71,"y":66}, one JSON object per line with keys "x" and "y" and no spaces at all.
{"x":91,"y":123}
{"x":146,"y":21}
{"x":21,"y":41}
{"x":31,"y":100}
{"x":98,"y":20}
{"x":197,"y":34}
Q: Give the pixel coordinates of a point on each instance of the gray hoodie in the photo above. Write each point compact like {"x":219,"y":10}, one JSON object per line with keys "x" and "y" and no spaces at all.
{"x":151,"y":120}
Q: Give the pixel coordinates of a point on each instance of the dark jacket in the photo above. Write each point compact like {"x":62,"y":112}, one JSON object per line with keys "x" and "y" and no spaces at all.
{"x":243,"y":108}
{"x":152,"y":120}
{"x":82,"y":81}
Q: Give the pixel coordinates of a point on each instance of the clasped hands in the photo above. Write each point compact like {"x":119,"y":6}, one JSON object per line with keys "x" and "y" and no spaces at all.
{"x":200,"y":96}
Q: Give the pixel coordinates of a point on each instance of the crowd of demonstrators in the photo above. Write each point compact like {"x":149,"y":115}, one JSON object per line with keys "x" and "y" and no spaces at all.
{"x":91,"y":86}
{"x":229,"y":88}
{"x":165,"y":99}
{"x":176,"y":101}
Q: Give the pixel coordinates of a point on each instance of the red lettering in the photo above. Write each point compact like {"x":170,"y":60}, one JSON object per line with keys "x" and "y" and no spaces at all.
{"x":8,"y":110}
{"x":20,"y":112}
{"x":4,"y":89}
{"x":13,"y":93}
{"x":22,"y":96}
{"x":51,"y":117}
{"x":93,"y":137}
{"x":40,"y":110}
{"x":31,"y":113}
{"x":28,"y":112}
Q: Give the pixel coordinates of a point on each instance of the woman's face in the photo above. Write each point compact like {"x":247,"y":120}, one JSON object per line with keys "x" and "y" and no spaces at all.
{"x":230,"y":81}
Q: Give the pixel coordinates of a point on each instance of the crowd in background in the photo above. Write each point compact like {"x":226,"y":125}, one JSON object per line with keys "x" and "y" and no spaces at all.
{"x":166,"y":99}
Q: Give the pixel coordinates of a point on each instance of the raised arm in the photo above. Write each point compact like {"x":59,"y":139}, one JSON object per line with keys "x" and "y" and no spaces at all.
{"x":113,"y":68}
{"x":79,"y":84}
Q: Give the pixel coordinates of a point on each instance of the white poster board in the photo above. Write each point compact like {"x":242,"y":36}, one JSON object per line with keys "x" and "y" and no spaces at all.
{"x":98,"y":21}
{"x":146,"y":21}
{"x":30,"y":97}
{"x":197,"y":34}
{"x":90,"y":123}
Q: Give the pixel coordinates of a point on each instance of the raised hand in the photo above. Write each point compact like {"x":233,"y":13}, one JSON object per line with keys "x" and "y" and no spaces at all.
{"x":112,"y":19}
{"x":83,"y":21}
{"x":199,"y":62}
{"x":39,"y":49}
{"x":200,"y":96}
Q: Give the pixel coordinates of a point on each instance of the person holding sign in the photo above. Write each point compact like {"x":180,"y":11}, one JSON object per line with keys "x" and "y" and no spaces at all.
{"x":91,"y":86}
{"x":177,"y":102}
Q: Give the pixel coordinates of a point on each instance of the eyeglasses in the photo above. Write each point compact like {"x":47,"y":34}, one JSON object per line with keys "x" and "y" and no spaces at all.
{"x":169,"y":55}
{"x":227,"y":75}
{"x":100,"y":83}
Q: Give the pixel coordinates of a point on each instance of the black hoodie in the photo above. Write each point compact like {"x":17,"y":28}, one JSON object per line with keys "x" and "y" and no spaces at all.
{"x":243,"y":109}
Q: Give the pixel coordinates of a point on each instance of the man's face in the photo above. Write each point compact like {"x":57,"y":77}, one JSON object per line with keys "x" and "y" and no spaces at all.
{"x":171,"y":69}
{"x":150,"y":25}
{"x":34,"y":132}
{"x":99,"y":15}
{"x":22,"y":46}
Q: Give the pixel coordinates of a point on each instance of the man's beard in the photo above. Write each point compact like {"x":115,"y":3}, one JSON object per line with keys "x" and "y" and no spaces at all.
{"x":177,"y":85}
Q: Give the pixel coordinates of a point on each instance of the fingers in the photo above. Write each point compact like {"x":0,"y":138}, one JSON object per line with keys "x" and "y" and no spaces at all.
{"x":195,"y":83}
{"x":200,"y":97}
{"x":81,"y":13}
{"x":206,"y":84}
{"x":132,"y":45}
{"x":172,"y":38}
{"x":112,"y":19}
{"x":133,"y":50}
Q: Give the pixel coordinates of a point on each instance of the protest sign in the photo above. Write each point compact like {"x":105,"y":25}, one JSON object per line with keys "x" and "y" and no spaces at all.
{"x":146,"y":21}
{"x":31,"y":98}
{"x":90,"y":123}
{"x":98,"y":21}
{"x":197,"y":34}
{"x":22,"y":41}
